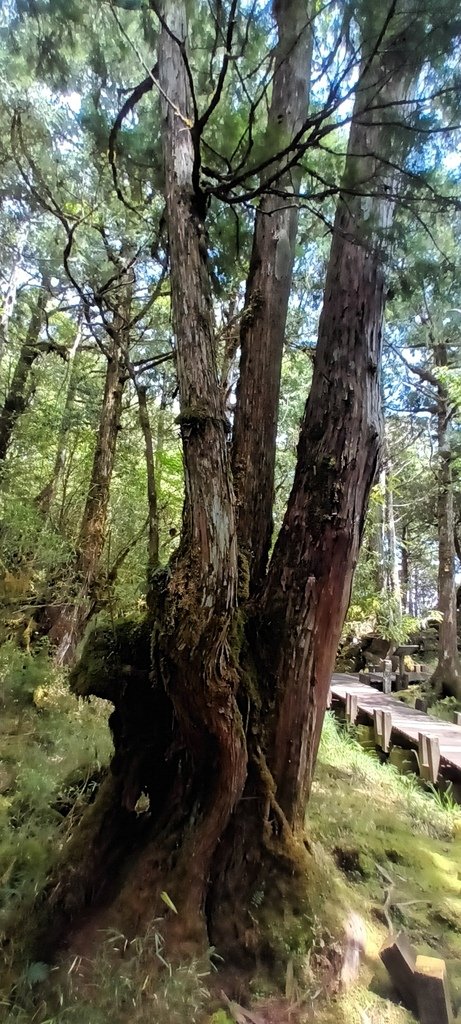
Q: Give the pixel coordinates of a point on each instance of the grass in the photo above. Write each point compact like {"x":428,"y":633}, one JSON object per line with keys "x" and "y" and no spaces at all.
{"x":51,"y":746}
{"x":383,"y":839}
{"x":394,"y":844}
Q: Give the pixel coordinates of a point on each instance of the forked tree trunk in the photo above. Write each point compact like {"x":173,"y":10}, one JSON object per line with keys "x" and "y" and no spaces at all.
{"x":212,"y":701}
{"x":16,"y":399}
{"x":263,"y":323}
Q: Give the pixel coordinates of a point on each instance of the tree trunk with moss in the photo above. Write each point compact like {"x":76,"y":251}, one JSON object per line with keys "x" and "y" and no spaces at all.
{"x":219,"y":699}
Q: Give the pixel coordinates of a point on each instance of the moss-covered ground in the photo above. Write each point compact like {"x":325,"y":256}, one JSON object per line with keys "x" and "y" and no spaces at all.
{"x":390,"y":851}
{"x":399,"y":850}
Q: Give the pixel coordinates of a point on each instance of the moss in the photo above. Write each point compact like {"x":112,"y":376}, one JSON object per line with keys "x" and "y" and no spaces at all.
{"x":108,"y":653}
{"x":243,"y":589}
{"x":408,"y":845}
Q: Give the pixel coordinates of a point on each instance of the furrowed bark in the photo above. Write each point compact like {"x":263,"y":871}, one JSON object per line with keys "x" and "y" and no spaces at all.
{"x":16,"y":399}
{"x":199,"y":666}
{"x":309,"y":581}
{"x":262,"y":332}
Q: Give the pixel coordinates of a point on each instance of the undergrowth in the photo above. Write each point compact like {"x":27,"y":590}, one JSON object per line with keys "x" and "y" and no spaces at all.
{"x":128,"y":981}
{"x":399,"y":850}
{"x":52,"y":747}
{"x":395,"y":848}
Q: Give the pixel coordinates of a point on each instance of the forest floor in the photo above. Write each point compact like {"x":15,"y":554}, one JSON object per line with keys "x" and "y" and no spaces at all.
{"x":393,"y":850}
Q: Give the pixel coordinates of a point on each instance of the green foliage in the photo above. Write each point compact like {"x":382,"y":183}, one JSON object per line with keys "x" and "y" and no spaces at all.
{"x":50,"y":746}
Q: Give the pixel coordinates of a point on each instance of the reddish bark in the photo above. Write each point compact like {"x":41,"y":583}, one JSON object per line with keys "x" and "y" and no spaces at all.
{"x":202,"y":676}
{"x":309,"y":581}
{"x":262,"y":333}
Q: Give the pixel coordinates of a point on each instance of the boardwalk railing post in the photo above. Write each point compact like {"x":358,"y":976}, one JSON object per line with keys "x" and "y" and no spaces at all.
{"x":329,"y":698}
{"x":428,"y":757}
{"x":457,"y":717}
{"x":383,"y":728}
{"x":387,"y":676}
{"x":352,"y":702}
{"x":433,"y":998}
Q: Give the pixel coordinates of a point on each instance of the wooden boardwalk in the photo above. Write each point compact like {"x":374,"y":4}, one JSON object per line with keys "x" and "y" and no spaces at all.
{"x":405,"y":725}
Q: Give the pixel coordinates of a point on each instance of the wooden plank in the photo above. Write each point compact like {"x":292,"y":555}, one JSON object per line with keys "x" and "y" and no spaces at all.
{"x":399,"y":959}
{"x":406,"y":722}
{"x":432,"y":996}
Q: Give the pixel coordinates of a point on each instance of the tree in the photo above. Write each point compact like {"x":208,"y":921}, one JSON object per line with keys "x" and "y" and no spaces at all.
{"x":262,"y":333}
{"x":18,"y":395}
{"x":431,"y":334}
{"x":219,"y":696}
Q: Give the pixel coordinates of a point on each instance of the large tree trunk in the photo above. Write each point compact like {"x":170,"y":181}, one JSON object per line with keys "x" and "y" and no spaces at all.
{"x":263,"y":322}
{"x":309,"y":582}
{"x":199,"y":664}
{"x":218,"y":710}
{"x":16,"y":399}
{"x":447,"y":675}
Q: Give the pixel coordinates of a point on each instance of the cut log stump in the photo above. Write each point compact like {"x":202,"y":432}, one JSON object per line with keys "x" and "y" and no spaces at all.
{"x":432,"y":996}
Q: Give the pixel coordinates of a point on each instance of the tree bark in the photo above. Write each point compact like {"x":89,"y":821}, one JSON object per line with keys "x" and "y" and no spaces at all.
{"x":201,"y":601}
{"x":262,"y":333}
{"x":405,"y":570}
{"x":309,"y":581}
{"x":152,"y":504}
{"x":67,"y":626}
{"x":225,"y":698}
{"x":447,"y":675}
{"x":16,"y":399}
{"x":46,"y":496}
{"x":392,"y":557}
